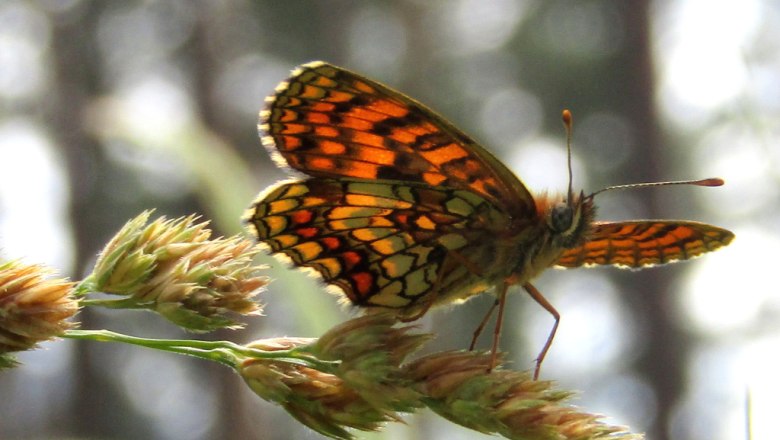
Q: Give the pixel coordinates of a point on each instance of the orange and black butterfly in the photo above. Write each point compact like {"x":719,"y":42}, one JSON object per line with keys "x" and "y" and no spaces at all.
{"x":400,"y":210}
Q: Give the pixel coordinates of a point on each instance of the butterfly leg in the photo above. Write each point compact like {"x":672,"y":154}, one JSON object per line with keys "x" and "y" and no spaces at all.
{"x":499,"y":321}
{"x":470,"y":266}
{"x":474,"y":269}
{"x":542,"y":301}
{"x":478,"y":330}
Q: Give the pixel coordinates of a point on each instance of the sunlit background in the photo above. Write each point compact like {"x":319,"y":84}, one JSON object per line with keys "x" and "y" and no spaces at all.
{"x":110,"y":108}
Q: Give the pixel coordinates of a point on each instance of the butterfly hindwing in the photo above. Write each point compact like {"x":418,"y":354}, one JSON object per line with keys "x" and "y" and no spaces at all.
{"x":382,"y":243}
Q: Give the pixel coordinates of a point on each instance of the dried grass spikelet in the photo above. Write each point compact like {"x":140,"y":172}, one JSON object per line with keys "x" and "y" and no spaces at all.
{"x":33,"y":309}
{"x":365,"y":387}
{"x":510,"y":403}
{"x":174,"y":268}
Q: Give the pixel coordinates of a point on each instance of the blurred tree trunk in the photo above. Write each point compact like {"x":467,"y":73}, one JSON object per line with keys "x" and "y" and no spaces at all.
{"x":96,"y":409}
{"x":661,"y":362}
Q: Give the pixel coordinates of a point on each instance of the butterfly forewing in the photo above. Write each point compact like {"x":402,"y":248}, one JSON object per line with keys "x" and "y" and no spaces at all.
{"x":642,"y":243}
{"x":328,"y":122}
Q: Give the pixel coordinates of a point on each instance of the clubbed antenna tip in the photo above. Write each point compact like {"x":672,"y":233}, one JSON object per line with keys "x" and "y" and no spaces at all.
{"x":712,"y":181}
{"x":569,"y":125}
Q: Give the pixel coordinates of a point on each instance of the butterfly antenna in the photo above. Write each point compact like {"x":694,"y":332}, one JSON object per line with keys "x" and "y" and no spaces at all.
{"x":712,"y":181}
{"x":569,"y":125}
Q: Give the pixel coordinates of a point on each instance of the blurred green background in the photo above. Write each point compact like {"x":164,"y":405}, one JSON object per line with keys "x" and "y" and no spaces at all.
{"x":108,"y":108}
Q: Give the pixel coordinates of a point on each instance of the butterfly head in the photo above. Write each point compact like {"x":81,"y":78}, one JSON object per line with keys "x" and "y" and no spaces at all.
{"x":568,"y":220}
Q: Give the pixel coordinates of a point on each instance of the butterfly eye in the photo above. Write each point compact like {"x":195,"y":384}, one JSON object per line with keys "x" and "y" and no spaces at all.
{"x":561,"y":217}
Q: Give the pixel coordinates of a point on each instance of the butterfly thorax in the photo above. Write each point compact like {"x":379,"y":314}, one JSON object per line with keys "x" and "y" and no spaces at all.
{"x":558,"y":226}
{"x":514,"y":251}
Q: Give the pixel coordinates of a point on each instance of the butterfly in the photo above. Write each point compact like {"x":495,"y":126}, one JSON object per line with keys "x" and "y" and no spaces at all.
{"x":399,"y":210}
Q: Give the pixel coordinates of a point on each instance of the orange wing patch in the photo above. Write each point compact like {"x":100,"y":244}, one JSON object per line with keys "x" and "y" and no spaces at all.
{"x":642,"y":243}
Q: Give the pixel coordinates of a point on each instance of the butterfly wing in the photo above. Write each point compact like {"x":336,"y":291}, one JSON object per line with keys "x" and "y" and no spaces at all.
{"x":641,"y":243}
{"x":382,"y":243}
{"x":329,"y":122}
